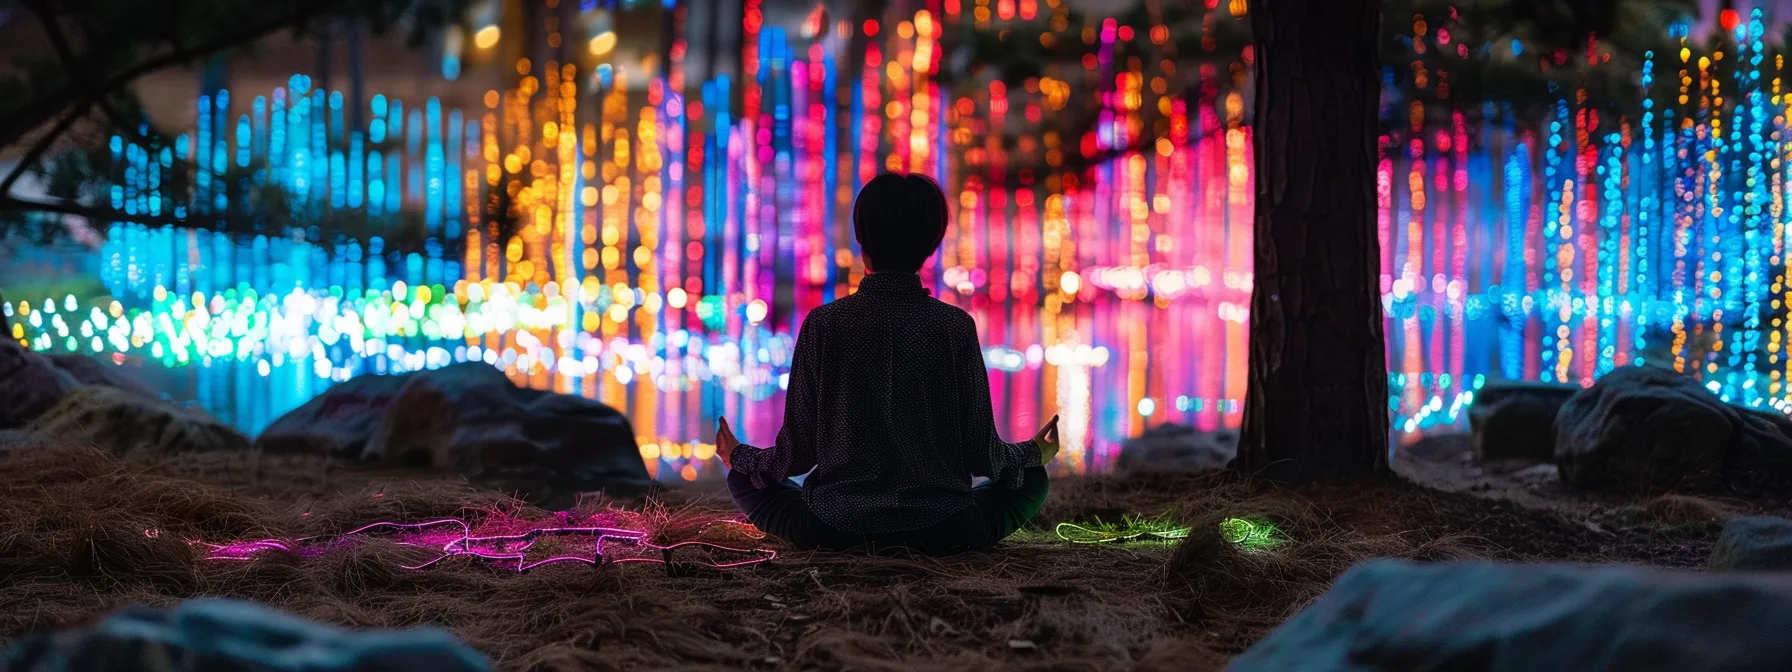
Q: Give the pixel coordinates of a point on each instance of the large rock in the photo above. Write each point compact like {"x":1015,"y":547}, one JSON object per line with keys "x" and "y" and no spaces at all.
{"x":1484,"y":616}
{"x":219,"y":635}
{"x":1646,"y":428}
{"x":1754,"y":543}
{"x":433,"y":408}
{"x":90,"y":371}
{"x":338,"y":422}
{"x":124,"y":422}
{"x":1177,"y":448}
{"x":1513,"y":420}
{"x":30,"y":384}
{"x":470,"y":419}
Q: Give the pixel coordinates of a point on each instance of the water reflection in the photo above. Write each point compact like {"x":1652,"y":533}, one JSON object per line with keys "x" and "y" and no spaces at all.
{"x":1109,"y":366}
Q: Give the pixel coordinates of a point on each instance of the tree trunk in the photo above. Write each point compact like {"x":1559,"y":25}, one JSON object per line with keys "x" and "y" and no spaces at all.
{"x":1316,"y":407}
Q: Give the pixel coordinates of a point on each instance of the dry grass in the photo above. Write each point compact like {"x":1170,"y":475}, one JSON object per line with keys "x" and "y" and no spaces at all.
{"x":1689,"y":510}
{"x":1264,"y":586}
{"x":72,"y":545}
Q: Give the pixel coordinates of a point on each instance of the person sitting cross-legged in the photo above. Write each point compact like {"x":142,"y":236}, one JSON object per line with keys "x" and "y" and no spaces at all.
{"x":888,"y":403}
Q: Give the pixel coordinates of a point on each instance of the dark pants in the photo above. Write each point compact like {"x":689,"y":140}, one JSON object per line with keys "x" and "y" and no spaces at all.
{"x":994,"y":513}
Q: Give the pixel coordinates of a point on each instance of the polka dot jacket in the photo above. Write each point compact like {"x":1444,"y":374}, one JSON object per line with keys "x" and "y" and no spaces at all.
{"x":888,"y":403}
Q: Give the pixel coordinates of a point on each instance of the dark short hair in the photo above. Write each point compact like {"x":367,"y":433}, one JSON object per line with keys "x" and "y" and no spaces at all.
{"x":899,"y":220}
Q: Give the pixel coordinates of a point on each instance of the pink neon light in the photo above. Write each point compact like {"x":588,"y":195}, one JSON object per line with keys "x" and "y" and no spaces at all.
{"x":455,"y":537}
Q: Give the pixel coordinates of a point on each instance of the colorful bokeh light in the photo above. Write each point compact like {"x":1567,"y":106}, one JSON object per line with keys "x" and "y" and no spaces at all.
{"x":654,"y":243}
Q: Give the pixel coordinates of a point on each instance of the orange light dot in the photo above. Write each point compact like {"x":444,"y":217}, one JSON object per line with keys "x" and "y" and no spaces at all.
{"x":487,"y":37}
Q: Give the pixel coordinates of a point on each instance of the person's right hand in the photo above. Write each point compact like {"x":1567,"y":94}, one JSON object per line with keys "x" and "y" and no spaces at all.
{"x":725,"y":443}
{"x":1047,"y":440}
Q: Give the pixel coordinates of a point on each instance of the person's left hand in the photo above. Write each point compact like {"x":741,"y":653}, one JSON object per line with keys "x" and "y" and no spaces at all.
{"x":725,"y":443}
{"x":1047,"y":441}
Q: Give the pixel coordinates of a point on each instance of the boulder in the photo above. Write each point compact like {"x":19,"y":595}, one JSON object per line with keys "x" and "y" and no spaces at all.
{"x":338,"y":422}
{"x":1645,"y":428}
{"x":1754,"y":543}
{"x":1485,"y":616}
{"x":576,"y":445}
{"x":30,"y":384}
{"x":90,"y":371}
{"x":1174,"y":447}
{"x":1761,"y":460}
{"x":471,"y":420}
{"x":216,"y":635}
{"x":123,"y":422}
{"x":434,"y":407}
{"x":1773,"y":417}
{"x":1516,"y":421}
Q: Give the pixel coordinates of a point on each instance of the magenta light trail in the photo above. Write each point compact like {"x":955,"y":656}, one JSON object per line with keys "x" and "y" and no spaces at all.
{"x":450,"y":537}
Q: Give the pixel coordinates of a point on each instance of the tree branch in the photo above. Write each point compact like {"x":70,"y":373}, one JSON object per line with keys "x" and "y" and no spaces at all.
{"x":59,"y":41}
{"x":91,"y":214}
{"x":43,"y":145}
{"x":47,"y":107}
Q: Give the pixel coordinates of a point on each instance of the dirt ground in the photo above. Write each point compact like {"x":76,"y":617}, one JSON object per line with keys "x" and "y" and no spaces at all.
{"x":73,"y":545}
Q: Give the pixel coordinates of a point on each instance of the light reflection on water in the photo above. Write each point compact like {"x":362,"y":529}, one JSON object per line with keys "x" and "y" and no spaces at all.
{"x":1114,"y":367}
{"x":1117,"y":367}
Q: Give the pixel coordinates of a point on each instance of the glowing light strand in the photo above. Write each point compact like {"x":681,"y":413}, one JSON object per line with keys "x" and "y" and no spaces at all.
{"x":452,"y":537}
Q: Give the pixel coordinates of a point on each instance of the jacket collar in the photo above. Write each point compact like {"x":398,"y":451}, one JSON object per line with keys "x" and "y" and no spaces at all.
{"x":892,"y":284}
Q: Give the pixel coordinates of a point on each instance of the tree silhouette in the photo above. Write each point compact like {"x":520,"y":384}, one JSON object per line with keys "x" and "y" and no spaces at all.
{"x":72,"y":99}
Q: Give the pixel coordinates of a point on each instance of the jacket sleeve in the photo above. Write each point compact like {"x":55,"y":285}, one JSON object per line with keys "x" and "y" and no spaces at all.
{"x":793,"y":453}
{"x":987,"y":454}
